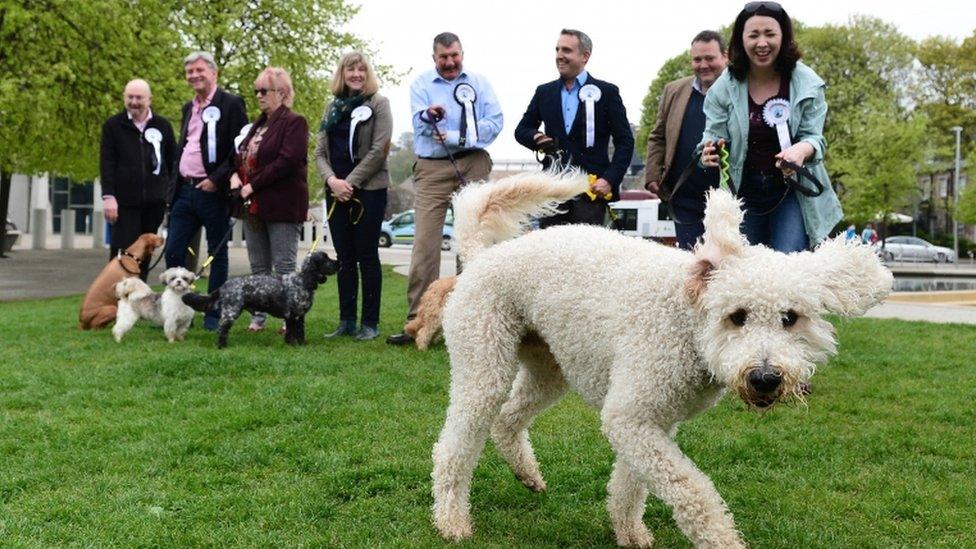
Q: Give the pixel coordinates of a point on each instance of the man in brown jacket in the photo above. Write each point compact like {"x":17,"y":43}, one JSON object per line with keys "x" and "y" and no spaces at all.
{"x":679,"y":127}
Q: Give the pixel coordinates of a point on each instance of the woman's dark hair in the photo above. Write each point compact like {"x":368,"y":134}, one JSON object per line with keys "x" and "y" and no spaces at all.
{"x":789,"y":52}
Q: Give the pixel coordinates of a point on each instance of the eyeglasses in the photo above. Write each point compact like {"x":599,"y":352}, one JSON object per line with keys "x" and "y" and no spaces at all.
{"x":264,"y":91}
{"x":753,"y":7}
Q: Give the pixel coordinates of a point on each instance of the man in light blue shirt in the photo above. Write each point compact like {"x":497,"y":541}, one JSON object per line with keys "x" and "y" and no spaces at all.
{"x":453,"y":110}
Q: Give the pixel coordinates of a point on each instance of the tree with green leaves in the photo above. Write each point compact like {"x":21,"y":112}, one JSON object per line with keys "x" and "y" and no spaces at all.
{"x":64,"y":63}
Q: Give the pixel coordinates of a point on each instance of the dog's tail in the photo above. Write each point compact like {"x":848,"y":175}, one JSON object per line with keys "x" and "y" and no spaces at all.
{"x":488,"y":213}
{"x":132,"y":289}
{"x":201,"y":302}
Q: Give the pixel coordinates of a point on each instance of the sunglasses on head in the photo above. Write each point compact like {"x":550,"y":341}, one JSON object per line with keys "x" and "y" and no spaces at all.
{"x":264,"y":91}
{"x":753,"y":7}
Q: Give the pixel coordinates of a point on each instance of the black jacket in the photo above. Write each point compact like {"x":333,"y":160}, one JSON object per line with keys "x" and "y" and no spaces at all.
{"x":127,"y":161}
{"x":233,"y":117}
{"x":610,"y":117}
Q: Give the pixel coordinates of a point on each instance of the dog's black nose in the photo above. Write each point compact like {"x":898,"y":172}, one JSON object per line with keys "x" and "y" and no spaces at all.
{"x":764,"y":380}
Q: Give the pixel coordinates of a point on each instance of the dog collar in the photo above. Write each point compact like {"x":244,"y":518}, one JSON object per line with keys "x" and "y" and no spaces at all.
{"x":125,"y":253}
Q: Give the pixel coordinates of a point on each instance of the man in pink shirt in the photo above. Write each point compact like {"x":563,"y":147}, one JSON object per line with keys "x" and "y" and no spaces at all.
{"x":199,"y":191}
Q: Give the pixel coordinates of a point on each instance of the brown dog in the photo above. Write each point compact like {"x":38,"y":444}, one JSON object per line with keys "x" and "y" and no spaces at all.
{"x":427,"y":324}
{"x":99,"y":307}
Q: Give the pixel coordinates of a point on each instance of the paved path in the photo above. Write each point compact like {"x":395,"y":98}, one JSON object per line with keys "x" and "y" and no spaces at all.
{"x":34,"y":274}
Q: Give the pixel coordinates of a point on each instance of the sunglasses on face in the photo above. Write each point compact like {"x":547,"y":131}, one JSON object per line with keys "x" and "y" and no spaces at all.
{"x":264,"y":91}
{"x":753,"y":7}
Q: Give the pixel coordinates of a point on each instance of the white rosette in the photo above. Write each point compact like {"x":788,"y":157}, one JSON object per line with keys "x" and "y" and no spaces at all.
{"x":242,"y":136}
{"x":155,"y":138}
{"x":361,"y":113}
{"x":776,"y":114}
{"x":210,"y":117}
{"x":589,"y":95}
{"x":465,"y":95}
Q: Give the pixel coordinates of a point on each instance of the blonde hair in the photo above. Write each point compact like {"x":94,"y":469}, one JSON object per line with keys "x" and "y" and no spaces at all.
{"x":279,"y":79}
{"x":351,"y":59}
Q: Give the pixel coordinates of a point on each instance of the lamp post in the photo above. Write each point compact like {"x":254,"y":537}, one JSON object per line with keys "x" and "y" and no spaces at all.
{"x":955,"y":196}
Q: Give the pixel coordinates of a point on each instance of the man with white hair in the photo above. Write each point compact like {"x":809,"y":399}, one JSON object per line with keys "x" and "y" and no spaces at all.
{"x":200,"y":187}
{"x":135,"y":164}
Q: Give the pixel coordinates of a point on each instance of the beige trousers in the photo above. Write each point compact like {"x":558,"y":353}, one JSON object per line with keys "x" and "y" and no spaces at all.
{"x":434,"y":183}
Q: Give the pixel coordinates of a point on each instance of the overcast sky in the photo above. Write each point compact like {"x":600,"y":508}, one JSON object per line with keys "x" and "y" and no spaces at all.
{"x":512,"y":41}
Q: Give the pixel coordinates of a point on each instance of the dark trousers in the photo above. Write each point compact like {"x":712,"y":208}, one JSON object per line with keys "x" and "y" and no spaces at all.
{"x":578,"y":210}
{"x":773,"y":216}
{"x":357,"y":249}
{"x":689,"y":214}
{"x":132,"y":222}
{"x":193,"y":208}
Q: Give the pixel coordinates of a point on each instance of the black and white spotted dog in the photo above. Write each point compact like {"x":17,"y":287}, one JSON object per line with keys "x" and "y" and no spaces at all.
{"x":288,"y":297}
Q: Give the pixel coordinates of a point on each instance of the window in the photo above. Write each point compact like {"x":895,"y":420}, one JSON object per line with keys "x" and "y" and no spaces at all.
{"x":626,"y":219}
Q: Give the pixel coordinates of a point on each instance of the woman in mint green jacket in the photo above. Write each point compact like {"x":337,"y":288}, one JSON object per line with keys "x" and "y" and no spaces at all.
{"x":742,"y":109}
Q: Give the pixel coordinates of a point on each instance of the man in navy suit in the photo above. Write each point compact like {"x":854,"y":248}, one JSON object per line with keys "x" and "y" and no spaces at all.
{"x":580,"y":114}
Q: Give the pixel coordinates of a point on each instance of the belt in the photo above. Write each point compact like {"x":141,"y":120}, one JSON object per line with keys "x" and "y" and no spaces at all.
{"x":458,"y":154}
{"x":191,"y":180}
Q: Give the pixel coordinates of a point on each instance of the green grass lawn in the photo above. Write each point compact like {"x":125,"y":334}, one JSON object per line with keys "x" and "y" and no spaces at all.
{"x":155,"y":444}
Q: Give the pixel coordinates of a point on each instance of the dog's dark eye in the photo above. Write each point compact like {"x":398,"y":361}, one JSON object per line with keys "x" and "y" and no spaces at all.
{"x":789,"y":318}
{"x":738,"y":318}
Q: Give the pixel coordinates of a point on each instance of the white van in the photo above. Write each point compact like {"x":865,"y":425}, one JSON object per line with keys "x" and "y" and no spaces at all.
{"x":646,"y":218}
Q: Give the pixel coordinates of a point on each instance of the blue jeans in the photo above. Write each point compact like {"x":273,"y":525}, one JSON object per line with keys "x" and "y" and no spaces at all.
{"x":772,"y":219}
{"x":357,"y":250}
{"x":193,"y":208}
{"x":688,"y":226}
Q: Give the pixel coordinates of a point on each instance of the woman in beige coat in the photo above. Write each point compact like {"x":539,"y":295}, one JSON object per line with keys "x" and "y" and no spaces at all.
{"x":353,"y":142}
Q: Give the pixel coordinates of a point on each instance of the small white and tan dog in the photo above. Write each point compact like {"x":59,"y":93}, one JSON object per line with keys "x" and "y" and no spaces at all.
{"x":137,"y":300}
{"x":648,"y":335}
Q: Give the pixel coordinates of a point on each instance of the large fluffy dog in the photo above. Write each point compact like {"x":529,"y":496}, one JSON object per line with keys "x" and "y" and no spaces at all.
{"x":288,"y":297}
{"x":648,"y":335}
{"x":99,"y":307}
{"x":137,"y":300}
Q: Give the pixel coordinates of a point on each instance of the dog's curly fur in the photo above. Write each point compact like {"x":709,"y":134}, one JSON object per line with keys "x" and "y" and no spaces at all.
{"x":288,"y":297}
{"x":513,"y":201}
{"x":646,"y":334}
{"x":137,"y":300}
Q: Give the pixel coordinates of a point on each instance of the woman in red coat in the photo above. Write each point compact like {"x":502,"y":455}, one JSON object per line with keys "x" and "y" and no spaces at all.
{"x":272,"y":165}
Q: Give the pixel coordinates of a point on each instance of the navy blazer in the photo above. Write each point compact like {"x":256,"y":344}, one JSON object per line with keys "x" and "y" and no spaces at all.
{"x":233,"y":117}
{"x":611,"y":121}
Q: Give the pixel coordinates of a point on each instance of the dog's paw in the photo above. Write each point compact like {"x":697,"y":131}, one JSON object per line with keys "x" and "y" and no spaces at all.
{"x":455,"y":528}
{"x":534,"y":483}
{"x":635,"y":535}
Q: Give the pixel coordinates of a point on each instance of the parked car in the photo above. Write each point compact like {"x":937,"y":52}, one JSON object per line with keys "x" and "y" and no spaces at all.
{"x":910,"y":248}
{"x":400,"y":230}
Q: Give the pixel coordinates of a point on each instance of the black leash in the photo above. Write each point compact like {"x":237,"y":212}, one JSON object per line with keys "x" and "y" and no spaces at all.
{"x":223,"y":241}
{"x":433,"y":120}
{"x":667,"y":194}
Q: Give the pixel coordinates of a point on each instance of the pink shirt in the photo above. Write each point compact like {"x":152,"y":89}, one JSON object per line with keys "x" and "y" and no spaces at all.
{"x":191,"y":163}
{"x":141,"y":126}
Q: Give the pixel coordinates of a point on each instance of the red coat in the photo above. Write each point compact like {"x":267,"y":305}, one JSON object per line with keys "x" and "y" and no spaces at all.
{"x":279,"y":176}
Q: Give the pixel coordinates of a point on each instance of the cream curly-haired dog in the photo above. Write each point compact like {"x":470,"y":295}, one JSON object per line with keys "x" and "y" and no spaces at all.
{"x":648,"y":335}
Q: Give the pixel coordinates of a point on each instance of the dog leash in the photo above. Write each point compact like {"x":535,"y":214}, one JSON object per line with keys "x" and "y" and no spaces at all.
{"x":433,"y":120}
{"x":335,"y":201}
{"x":223,"y":241}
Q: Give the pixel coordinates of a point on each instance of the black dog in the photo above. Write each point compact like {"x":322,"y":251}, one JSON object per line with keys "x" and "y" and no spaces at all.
{"x":288,"y":297}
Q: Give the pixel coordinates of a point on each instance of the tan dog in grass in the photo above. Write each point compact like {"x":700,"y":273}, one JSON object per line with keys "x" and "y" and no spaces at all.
{"x":426,"y":326}
{"x":100,"y":305}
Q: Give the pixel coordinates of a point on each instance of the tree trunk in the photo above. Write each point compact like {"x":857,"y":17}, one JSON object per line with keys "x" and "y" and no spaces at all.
{"x":5,"y":176}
